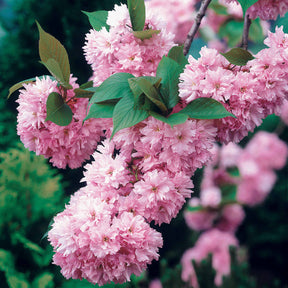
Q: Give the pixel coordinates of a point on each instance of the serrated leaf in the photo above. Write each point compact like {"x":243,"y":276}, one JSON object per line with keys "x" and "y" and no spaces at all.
{"x":245,"y":4}
{"x":53,"y":67}
{"x":137,"y":14}
{"x":50,"y":47}
{"x":145,"y":34}
{"x":101,"y":111}
{"x":206,"y":108}
{"x":169,"y":70}
{"x":238,"y":56}
{"x":125,"y":115}
{"x":172,"y":120}
{"x":58,"y":111}
{"x":98,"y":19}
{"x":176,"y":53}
{"x":151,"y":93}
{"x":114,"y":87}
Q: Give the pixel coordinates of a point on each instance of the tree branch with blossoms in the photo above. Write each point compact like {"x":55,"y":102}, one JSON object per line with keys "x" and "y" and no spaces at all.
{"x":196,"y":25}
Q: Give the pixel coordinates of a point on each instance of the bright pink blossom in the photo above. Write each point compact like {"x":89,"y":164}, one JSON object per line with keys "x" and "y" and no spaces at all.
{"x":120,"y":51}
{"x":66,"y":145}
{"x":92,"y":242}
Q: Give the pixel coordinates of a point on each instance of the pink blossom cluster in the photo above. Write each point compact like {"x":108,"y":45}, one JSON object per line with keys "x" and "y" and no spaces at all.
{"x":250,"y":171}
{"x":93,"y":241}
{"x":215,"y":242}
{"x":118,"y":50}
{"x":266,"y":9}
{"x":178,"y":14}
{"x":142,"y":175}
{"x":66,"y":145}
{"x":250,"y":93}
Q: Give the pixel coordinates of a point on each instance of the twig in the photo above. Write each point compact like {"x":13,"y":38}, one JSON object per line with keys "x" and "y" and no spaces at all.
{"x":247,"y":23}
{"x":195,"y":27}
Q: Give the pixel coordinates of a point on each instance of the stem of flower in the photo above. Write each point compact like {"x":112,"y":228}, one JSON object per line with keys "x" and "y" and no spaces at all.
{"x":196,"y":25}
{"x":247,"y":23}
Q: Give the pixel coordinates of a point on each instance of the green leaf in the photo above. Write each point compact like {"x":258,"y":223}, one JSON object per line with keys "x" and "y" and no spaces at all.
{"x":114,"y":87}
{"x":98,"y":19}
{"x":238,"y":56}
{"x":150,"y":92}
{"x":57,"y":110}
{"x":256,"y":31}
{"x":206,"y":108}
{"x":194,"y":208}
{"x":232,"y":31}
{"x":84,"y":93}
{"x":101,"y":110}
{"x":53,"y":67}
{"x":137,"y":14}
{"x":245,"y":4}
{"x":172,"y":120}
{"x":86,"y":85}
{"x":176,"y":53}
{"x":229,"y":194}
{"x":51,"y":48}
{"x":169,"y":70}
{"x":145,"y":34}
{"x":218,"y":8}
{"x":125,"y":115}
{"x":19,"y":85}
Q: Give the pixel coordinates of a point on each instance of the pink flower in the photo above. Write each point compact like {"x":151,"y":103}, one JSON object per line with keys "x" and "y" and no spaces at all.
{"x":92,"y":242}
{"x":66,"y":145}
{"x":215,"y":242}
{"x":156,"y":283}
{"x":119,"y":51}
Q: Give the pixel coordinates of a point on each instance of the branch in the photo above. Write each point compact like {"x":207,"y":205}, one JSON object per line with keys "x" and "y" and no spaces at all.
{"x":247,"y":23}
{"x":195,"y":27}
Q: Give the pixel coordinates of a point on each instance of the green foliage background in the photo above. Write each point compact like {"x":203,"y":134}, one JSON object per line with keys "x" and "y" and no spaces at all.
{"x":31,"y":192}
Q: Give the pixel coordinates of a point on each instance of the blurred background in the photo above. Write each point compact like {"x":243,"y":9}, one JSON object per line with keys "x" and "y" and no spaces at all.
{"x":32,"y":191}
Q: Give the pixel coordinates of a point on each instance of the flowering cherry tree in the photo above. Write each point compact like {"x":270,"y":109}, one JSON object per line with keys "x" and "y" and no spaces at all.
{"x":150,"y":116}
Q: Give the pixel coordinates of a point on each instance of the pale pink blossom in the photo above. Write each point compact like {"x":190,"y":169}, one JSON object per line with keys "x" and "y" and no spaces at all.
{"x":215,"y":242}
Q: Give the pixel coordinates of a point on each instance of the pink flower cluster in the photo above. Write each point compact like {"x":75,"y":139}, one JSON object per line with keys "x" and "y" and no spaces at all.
{"x":66,"y":145}
{"x":249,"y":170}
{"x":94,"y":242}
{"x":215,"y":242}
{"x":267,"y":9}
{"x":250,"y":93}
{"x":142,"y":174}
{"x":178,"y":14}
{"x":119,"y":51}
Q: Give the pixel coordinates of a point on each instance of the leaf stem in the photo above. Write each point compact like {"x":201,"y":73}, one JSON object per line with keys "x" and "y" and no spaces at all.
{"x":195,"y":26}
{"x":247,"y":23}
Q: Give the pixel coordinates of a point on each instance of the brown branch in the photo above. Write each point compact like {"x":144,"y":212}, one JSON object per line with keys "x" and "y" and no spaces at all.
{"x":247,"y":23}
{"x":196,"y":25}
